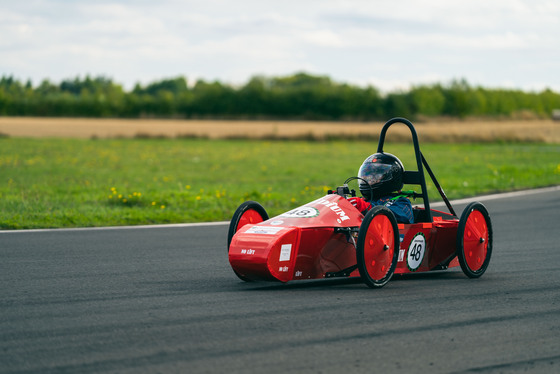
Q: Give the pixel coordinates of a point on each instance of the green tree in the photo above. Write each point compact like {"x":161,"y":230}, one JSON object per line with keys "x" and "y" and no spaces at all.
{"x":428,"y":100}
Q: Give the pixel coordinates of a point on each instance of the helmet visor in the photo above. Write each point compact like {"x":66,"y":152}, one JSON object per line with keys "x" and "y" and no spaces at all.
{"x":374,"y":173}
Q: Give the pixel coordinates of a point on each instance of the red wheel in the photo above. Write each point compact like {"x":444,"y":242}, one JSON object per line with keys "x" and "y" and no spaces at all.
{"x":376,"y":250}
{"x":250,"y":212}
{"x":474,"y":240}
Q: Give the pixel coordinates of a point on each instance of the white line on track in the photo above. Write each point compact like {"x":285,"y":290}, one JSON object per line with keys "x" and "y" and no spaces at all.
{"x":139,"y":227}
{"x":221,"y":223}
{"x":504,"y":195}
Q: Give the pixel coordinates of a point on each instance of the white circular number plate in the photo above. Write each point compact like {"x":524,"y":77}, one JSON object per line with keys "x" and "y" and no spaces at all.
{"x":416,"y":252}
{"x":301,"y":212}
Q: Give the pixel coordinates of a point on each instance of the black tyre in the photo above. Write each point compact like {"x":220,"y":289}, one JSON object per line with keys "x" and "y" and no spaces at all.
{"x":250,"y":212}
{"x":474,"y":240}
{"x":377,"y":248}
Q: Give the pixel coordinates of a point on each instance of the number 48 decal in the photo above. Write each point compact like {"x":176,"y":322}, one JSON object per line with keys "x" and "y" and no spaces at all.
{"x":416,"y":251}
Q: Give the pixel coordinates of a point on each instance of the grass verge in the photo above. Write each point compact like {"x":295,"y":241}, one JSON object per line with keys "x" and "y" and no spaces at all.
{"x":47,"y":183}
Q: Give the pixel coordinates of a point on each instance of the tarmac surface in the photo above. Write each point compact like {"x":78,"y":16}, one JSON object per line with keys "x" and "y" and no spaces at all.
{"x":164,"y":299}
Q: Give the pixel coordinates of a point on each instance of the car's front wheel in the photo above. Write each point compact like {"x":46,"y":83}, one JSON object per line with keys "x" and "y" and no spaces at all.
{"x":377,"y":247}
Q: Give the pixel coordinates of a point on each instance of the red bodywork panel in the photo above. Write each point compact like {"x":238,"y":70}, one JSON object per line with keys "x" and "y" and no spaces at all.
{"x":424,"y":246}
{"x":303,"y":244}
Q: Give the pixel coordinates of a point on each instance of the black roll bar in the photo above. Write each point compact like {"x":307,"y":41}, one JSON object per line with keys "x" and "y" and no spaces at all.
{"x":416,"y":177}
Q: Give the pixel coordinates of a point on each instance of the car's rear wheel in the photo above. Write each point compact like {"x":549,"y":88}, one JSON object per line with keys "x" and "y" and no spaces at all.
{"x":474,"y":240}
{"x":250,"y":212}
{"x":377,"y":247}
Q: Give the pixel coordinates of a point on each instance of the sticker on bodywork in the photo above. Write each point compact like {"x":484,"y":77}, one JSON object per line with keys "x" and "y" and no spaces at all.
{"x":266,"y":230}
{"x":285,"y":252}
{"x":302,"y":212}
{"x":416,"y":251}
{"x":401,"y":255}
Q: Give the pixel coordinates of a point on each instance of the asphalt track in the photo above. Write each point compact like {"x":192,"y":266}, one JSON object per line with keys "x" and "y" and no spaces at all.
{"x":164,"y":299}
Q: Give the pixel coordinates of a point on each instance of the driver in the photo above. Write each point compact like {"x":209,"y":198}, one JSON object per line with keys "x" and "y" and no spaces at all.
{"x":379,"y":177}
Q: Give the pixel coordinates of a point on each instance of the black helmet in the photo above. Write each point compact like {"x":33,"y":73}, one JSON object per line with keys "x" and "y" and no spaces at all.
{"x":383,"y":173}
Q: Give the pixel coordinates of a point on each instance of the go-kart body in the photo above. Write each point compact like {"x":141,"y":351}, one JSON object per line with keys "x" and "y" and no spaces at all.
{"x":328,"y":237}
{"x":312,"y":242}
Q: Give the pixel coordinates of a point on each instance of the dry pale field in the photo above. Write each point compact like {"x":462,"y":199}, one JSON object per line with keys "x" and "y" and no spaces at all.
{"x":547,"y":131}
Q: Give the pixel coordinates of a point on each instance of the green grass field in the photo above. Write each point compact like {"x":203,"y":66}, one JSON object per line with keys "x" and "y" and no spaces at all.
{"x":77,"y":183}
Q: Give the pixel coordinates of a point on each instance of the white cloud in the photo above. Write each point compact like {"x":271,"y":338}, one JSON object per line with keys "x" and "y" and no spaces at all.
{"x":390,"y":44}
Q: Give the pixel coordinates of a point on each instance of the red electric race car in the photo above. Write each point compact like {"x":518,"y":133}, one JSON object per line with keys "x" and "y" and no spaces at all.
{"x":329,"y":238}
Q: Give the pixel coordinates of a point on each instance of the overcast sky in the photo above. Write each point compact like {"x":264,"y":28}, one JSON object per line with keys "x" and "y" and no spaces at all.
{"x":388,"y":44}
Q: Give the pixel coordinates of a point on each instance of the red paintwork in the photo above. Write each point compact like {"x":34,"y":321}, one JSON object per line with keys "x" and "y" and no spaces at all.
{"x":377,"y":259}
{"x":440,"y":238}
{"x":475,"y":250}
{"x":302,"y":243}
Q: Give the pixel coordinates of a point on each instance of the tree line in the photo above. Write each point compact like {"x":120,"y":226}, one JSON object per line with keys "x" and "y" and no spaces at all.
{"x":298,"y":96}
